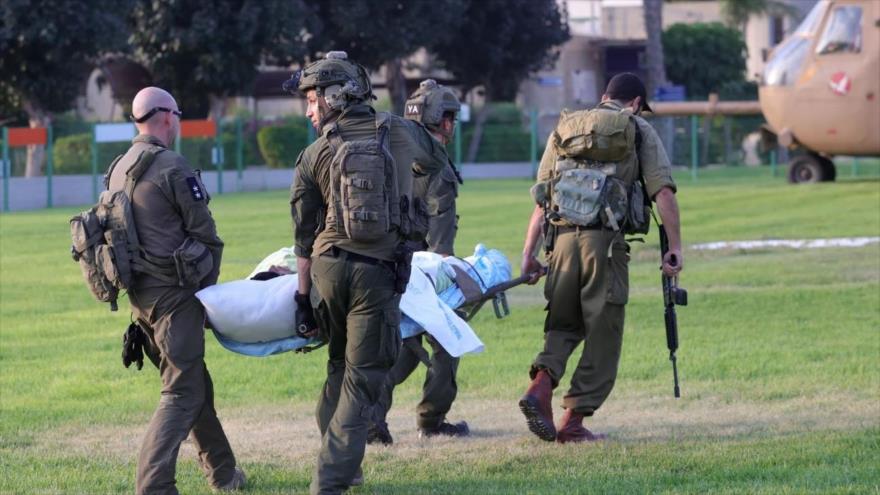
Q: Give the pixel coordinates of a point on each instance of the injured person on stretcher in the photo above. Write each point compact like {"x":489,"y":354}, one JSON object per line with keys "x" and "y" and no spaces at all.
{"x":255,"y":316}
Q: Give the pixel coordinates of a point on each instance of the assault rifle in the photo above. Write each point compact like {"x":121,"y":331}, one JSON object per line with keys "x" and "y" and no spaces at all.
{"x":672,"y":295}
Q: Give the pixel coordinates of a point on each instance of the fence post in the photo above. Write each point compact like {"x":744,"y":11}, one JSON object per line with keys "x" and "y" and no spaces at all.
{"x":533,"y":130}
{"x":239,"y":150}
{"x":695,"y":157}
{"x":7,"y":169}
{"x":219,"y":164}
{"x":855,"y":167}
{"x":458,"y":140}
{"x":49,"y":166}
{"x":94,"y":164}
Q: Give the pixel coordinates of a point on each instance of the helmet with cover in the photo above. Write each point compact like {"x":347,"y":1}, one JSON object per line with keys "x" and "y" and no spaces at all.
{"x":428,"y":104}
{"x":339,"y":80}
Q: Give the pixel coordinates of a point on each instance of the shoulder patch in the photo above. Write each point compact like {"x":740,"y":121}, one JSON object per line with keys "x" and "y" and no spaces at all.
{"x":195,"y":190}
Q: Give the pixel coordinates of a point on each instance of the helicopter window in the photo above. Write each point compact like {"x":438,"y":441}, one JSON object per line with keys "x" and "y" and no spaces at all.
{"x":787,"y":62}
{"x":811,"y":23}
{"x":843,"y":34}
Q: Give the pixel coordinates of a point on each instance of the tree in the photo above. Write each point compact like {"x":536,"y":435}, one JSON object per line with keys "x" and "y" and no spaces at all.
{"x":377,"y":34}
{"x":737,"y":12}
{"x":653,"y":14}
{"x":497,"y":45}
{"x":204,"y":52}
{"x":47,"y":50}
{"x":704,"y":57}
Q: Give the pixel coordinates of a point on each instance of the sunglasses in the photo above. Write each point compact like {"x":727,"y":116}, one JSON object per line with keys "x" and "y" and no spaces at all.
{"x":152,"y":112}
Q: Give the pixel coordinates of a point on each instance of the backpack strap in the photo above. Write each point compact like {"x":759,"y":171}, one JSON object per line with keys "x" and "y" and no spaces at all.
{"x":144,"y":160}
{"x":110,"y":170}
{"x":334,"y":139}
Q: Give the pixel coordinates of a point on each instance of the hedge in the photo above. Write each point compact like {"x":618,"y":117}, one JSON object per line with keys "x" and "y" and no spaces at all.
{"x":280,"y":145}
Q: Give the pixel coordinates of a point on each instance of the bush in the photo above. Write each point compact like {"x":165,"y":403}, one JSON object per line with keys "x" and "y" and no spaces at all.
{"x":280,"y":145}
{"x":505,"y":136}
{"x":73,"y":154}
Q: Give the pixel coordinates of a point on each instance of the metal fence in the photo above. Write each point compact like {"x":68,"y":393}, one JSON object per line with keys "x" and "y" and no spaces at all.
{"x":247,"y":154}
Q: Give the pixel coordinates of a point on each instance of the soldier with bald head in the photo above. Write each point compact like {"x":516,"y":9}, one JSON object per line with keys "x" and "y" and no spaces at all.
{"x":179,"y":254}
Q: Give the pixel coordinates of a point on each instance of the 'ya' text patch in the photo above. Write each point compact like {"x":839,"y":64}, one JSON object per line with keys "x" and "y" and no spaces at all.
{"x":195,"y":190}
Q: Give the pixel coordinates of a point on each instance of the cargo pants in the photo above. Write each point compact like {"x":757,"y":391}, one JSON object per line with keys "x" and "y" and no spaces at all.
{"x":587,"y":288}
{"x":439,"y":390}
{"x":174,"y":321}
{"x":360,"y":314}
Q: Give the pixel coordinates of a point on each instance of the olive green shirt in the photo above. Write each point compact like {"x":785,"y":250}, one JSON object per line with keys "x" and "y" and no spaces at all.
{"x":415,"y":153}
{"x":440,"y":191}
{"x":169,"y":203}
{"x":655,"y":166}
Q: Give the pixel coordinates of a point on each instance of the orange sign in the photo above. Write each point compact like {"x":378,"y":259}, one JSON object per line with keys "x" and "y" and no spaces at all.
{"x":23,"y":136}
{"x":198,"y":128}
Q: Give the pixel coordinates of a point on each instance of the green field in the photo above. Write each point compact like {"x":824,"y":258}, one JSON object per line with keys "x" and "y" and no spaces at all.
{"x":779,"y":363}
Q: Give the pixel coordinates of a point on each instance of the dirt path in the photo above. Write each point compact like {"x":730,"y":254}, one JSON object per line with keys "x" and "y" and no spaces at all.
{"x":275,"y":434}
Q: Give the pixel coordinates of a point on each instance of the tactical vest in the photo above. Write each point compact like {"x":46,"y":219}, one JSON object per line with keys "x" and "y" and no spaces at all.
{"x":587,"y":185}
{"x":105,"y":241}
{"x":366,"y":202}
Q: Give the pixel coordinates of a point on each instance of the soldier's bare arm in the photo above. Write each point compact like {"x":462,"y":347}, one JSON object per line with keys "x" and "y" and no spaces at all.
{"x":530,"y":263}
{"x":667,"y":205}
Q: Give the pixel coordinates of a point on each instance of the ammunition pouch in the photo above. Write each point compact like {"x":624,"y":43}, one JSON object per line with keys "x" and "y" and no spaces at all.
{"x":193,"y":261}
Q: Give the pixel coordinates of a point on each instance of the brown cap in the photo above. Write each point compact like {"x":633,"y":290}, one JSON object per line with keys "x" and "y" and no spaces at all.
{"x":625,"y":87}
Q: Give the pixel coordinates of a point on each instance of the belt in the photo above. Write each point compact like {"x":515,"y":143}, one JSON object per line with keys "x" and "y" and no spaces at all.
{"x":335,"y":252}
{"x":578,"y":228}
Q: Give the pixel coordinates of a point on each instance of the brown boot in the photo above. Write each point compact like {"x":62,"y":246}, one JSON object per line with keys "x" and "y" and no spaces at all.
{"x":535,"y":405}
{"x":571,"y":429}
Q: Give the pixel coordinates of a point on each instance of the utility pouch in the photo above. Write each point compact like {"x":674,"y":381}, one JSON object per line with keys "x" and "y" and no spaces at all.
{"x":638,"y":215}
{"x":403,"y":254}
{"x":549,"y":236}
{"x":578,"y":195}
{"x":193,"y":262}
{"x":87,"y":234}
{"x":615,"y":202}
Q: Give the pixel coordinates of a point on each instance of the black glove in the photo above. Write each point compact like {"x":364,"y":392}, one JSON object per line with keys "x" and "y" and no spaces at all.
{"x":133,"y":342}
{"x":305,"y":315}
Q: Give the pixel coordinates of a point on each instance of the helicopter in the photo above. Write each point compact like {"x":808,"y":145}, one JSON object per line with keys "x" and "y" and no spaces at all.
{"x":820,"y":88}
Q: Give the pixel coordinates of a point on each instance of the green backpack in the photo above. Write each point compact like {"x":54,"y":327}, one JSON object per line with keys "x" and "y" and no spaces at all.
{"x":585,"y":189}
{"x":363,"y":176}
{"x":105,"y":242}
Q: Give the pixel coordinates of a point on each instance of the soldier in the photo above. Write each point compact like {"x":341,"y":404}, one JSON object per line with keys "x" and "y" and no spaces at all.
{"x":587,"y":283}
{"x":172,"y":220}
{"x":436,"y":107}
{"x":353,"y":210}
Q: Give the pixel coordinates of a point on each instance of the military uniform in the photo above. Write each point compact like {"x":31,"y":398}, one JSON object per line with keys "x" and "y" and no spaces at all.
{"x":169,"y":204}
{"x":440,"y":387}
{"x":587,"y":284}
{"x":358,"y":309}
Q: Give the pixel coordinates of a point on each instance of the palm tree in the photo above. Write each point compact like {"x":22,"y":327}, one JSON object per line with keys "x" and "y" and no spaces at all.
{"x":653,"y":12}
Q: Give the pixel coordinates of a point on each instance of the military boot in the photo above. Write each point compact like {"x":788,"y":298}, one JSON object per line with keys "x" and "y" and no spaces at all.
{"x":459,"y":429}
{"x":238,"y":482}
{"x":378,"y":433}
{"x":571,"y":429}
{"x":535,"y":405}
{"x":358,"y":479}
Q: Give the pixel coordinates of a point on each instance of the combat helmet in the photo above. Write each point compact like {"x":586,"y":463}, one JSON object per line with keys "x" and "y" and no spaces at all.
{"x":428,"y":104}
{"x":339,"y":80}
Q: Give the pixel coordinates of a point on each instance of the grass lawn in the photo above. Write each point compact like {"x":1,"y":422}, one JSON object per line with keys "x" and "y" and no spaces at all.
{"x":779,"y":363}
